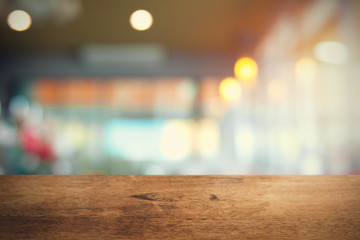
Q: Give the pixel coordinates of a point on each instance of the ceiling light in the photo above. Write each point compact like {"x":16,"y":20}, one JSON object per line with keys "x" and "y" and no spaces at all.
{"x":19,"y":20}
{"x":141,"y":20}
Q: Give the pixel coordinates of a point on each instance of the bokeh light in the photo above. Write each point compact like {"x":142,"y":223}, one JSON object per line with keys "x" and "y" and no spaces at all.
{"x":306,"y":69}
{"x":246,"y":69}
{"x":230,"y":89}
{"x":76,"y":134}
{"x":19,"y":20}
{"x":208,"y":138}
{"x":141,"y":20}
{"x":331,"y":52}
{"x":176,"y":140}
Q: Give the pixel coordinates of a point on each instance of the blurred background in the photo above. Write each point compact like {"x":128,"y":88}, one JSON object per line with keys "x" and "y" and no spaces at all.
{"x":179,"y":87}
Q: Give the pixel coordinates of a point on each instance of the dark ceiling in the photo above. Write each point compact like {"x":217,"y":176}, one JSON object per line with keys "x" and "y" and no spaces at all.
{"x":225,"y":26}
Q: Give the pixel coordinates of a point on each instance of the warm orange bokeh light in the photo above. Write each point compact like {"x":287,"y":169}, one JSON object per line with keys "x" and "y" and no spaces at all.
{"x":306,"y":69}
{"x":230,"y":89}
{"x":246,"y":70}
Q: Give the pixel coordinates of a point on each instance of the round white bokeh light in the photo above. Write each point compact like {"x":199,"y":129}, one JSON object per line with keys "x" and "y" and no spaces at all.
{"x":331,"y":52}
{"x":19,"y":20}
{"x":141,"y":20}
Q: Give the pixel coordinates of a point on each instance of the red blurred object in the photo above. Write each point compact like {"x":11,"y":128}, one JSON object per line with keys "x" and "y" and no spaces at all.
{"x":354,"y":172}
{"x":35,"y":145}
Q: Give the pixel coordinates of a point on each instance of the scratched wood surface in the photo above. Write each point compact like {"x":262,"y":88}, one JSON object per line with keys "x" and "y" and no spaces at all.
{"x":180,"y":207}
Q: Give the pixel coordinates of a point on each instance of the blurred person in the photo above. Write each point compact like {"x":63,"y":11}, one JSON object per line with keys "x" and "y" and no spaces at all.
{"x":32,"y":152}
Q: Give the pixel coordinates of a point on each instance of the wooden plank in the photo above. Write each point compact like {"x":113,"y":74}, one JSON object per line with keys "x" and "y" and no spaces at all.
{"x":180,"y":207}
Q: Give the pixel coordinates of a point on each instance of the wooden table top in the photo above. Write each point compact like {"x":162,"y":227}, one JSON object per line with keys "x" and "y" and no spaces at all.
{"x":180,"y":207}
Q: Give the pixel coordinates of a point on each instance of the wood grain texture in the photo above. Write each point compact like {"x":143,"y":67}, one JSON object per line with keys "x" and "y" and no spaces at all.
{"x":180,"y":207}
